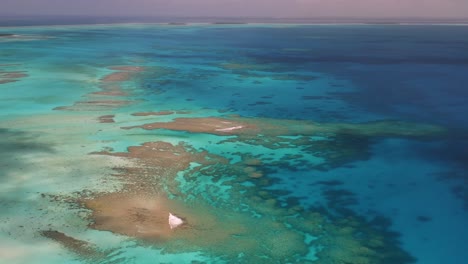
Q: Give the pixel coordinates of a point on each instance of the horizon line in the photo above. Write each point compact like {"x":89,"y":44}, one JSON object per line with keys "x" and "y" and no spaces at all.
{"x":233,"y":17}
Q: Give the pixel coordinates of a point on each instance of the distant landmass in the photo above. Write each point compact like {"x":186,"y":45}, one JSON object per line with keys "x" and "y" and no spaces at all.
{"x":23,"y":20}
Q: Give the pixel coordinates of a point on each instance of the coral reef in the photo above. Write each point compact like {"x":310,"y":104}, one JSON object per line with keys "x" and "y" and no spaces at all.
{"x":107,"y":119}
{"x":83,"y":249}
{"x":11,"y":76}
{"x":335,"y":143}
{"x":238,"y":222}
{"x":280,"y":127}
{"x":111,"y":91}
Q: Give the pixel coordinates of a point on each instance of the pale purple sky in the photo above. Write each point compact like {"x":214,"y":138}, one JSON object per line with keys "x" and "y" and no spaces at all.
{"x":263,"y":8}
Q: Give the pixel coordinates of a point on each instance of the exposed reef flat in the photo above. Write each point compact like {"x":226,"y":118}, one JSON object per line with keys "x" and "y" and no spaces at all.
{"x":334,"y":143}
{"x":263,"y":230}
{"x":241,"y":126}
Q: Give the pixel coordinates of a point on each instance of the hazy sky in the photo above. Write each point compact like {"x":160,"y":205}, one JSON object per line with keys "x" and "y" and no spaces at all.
{"x":265,"y":8}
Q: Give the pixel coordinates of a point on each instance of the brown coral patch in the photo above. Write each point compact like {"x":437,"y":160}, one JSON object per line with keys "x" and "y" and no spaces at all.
{"x":13,"y":76}
{"x":111,"y":93}
{"x":168,"y":155}
{"x":252,"y":162}
{"x":124,"y":73}
{"x":253,"y":172}
{"x":107,"y":119}
{"x":128,"y":68}
{"x":7,"y":81}
{"x":117,"y":77}
{"x":110,"y":90}
{"x":256,"y":174}
{"x":82,"y":248}
{"x":156,"y":161}
{"x":97,"y":105}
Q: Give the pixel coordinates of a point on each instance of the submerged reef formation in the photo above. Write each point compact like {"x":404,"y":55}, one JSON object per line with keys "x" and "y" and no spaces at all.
{"x":192,"y":144}
{"x":225,"y":201}
{"x":459,"y":180}
{"x":230,"y":203}
{"x":81,"y":248}
{"x":112,"y":91}
{"x":336,"y":143}
{"x":11,"y":76}
{"x":270,"y":71}
{"x":238,"y":222}
{"x":115,"y":88}
{"x":107,"y":119}
{"x":253,"y":127}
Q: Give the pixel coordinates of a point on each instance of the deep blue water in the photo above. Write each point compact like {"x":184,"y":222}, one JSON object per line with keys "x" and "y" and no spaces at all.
{"x":409,"y":191}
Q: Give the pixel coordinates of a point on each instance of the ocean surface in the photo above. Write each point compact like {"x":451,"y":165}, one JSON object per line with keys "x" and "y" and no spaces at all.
{"x":273,"y":143}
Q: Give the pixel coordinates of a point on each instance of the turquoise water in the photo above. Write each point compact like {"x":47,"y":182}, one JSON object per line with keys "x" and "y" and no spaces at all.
{"x":274,"y":143}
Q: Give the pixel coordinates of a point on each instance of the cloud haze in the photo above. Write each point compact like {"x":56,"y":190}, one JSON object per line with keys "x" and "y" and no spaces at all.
{"x":261,"y":8}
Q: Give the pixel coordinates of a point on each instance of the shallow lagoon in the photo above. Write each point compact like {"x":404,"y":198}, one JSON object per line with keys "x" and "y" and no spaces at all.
{"x":274,"y":143}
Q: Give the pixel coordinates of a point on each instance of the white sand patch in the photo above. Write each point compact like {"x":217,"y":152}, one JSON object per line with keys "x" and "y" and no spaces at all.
{"x":229,"y":129}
